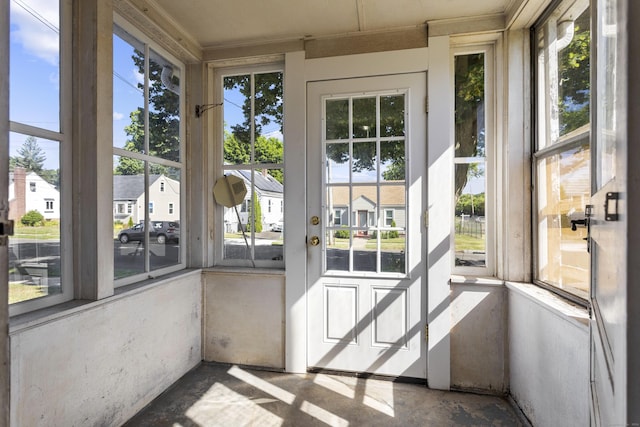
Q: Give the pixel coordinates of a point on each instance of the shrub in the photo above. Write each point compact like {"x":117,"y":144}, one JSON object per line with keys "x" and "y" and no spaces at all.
{"x":393,"y":234}
{"x":32,"y":218}
{"x":341,"y":234}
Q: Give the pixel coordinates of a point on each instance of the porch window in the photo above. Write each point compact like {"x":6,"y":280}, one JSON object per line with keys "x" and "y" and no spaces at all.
{"x":148,"y":162}
{"x":561,"y":158}
{"x":473,"y":144}
{"x":252,"y":146}
{"x":39,"y":141}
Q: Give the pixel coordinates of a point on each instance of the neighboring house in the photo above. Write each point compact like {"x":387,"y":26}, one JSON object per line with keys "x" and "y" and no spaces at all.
{"x":129,"y":200}
{"x":28,"y":191}
{"x":270,"y":196}
{"x":363,"y":210}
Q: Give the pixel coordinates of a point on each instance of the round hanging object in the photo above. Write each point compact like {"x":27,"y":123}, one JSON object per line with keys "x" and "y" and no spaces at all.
{"x":229,"y":191}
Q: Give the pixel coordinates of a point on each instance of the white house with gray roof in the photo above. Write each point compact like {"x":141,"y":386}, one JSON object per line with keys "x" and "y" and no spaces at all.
{"x":270,"y":196}
{"x":129,"y":198}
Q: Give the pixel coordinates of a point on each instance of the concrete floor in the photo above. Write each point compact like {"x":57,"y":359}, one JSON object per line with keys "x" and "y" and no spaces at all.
{"x":225,"y":395}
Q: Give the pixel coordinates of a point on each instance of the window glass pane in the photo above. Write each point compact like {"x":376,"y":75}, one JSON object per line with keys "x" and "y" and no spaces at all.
{"x":563,"y":74}
{"x":364,"y":204}
{"x":34,"y":76}
{"x":364,"y":117}
{"x":34,"y":205}
{"x":128,"y":226}
{"x":268,"y":118}
{"x":237,"y":119}
{"x":469,"y":106}
{"x":470,"y":222}
{"x":164,"y":228}
{"x":392,"y":115}
{"x":563,"y":192}
{"x":337,"y":119}
{"x":128,"y":93}
{"x":164,"y":108}
{"x":392,"y":162}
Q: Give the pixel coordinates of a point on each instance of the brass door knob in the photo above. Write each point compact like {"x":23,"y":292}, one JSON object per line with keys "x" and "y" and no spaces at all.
{"x":314,"y":241}
{"x":315,"y":220}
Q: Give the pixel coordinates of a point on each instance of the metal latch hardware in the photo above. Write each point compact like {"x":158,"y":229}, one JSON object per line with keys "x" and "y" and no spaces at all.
{"x":611,"y":206}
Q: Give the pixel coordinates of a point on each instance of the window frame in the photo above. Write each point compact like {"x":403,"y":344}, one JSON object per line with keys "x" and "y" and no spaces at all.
{"x":246,"y":207}
{"x":540,"y":152}
{"x":150,"y":44}
{"x":64,"y":138}
{"x":488,"y":49}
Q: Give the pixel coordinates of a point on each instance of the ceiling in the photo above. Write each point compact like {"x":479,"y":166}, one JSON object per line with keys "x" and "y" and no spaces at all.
{"x":220,"y":23}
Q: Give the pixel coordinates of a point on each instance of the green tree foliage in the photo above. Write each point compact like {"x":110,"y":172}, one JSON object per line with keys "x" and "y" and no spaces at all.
{"x":30,"y":156}
{"x":163,"y":120}
{"x":469,"y":102}
{"x":574,"y":77}
{"x":471,"y":204}
{"x":392,"y":153}
{"x":32,"y":218}
{"x":256,"y":210}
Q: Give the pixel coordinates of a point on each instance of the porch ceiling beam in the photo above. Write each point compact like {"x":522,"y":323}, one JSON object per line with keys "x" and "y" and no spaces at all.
{"x":474,"y":24}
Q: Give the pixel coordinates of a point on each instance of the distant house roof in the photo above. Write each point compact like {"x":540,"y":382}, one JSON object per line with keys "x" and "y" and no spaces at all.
{"x":390,"y":195}
{"x":262,"y":182}
{"x":130,"y":187}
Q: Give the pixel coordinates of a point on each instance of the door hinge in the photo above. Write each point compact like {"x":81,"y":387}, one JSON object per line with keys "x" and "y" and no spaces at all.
{"x":426,"y":333}
{"x":426,"y":218}
{"x":426,"y":104}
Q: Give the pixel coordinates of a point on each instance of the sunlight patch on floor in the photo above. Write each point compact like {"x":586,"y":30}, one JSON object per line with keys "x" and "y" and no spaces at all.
{"x":287,"y":397}
{"x":209,"y":410}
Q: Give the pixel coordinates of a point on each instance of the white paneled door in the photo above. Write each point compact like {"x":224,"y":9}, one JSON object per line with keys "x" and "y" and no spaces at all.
{"x":366,"y":284}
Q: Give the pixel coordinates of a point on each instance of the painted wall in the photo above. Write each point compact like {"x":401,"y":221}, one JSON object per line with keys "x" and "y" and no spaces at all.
{"x":244,"y":317}
{"x":548,"y":357}
{"x":479,"y":337}
{"x":101,"y":363}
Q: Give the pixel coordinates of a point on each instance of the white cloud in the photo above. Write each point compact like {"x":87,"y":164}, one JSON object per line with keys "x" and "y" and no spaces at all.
{"x":34,"y":25}
{"x":117,"y":116}
{"x":138,"y":75}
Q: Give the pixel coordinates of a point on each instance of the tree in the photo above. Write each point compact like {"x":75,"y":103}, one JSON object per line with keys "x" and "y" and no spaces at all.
{"x":30,"y":156}
{"x":163,"y":122}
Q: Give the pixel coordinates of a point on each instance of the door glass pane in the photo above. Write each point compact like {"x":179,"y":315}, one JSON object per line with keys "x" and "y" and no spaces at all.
{"x":34,"y":76}
{"x":365,"y":162}
{"x":336,"y":119}
{"x":364,"y":117}
{"x":392,"y":161}
{"x":34,"y":205}
{"x":337,"y":249}
{"x":365,"y":251}
{"x":338,"y":206}
{"x":392,"y":115}
{"x":337,"y":162}
{"x":393,"y":231}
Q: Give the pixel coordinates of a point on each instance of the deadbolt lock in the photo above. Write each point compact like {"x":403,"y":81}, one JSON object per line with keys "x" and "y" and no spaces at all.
{"x":315,"y":220}
{"x":314,"y":241}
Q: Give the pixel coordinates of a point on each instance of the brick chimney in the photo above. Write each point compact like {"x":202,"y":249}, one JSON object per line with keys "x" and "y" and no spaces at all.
{"x":18,"y":205}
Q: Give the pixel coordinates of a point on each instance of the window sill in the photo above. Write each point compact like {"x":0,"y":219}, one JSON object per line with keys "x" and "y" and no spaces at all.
{"x":458,"y":279}
{"x":40,"y":317}
{"x":556,"y":304}
{"x":243,"y":271}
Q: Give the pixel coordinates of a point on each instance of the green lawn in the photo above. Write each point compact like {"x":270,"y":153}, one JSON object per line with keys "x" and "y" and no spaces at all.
{"x":45,"y":232}
{"x":468,"y":243}
{"x":396,"y":244}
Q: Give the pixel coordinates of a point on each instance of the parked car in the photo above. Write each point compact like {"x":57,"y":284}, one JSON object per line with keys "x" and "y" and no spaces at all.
{"x":160,"y":231}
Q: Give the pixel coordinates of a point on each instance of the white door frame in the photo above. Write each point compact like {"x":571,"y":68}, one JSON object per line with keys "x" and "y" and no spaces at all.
{"x":299,"y":71}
